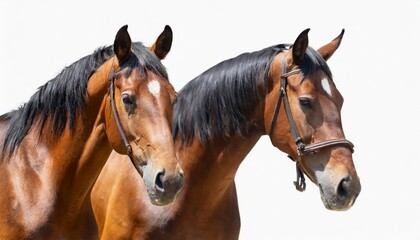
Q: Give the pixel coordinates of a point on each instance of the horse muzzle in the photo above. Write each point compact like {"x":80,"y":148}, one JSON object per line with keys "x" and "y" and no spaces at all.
{"x":163,"y":186}
{"x":339,"y":195}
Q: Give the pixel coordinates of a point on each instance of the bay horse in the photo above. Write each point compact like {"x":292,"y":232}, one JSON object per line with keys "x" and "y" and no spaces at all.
{"x":284,"y":91}
{"x":54,"y":146}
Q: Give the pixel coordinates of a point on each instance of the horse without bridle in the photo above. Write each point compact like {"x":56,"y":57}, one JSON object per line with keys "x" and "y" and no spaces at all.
{"x":54,"y":146}
{"x":284,"y":91}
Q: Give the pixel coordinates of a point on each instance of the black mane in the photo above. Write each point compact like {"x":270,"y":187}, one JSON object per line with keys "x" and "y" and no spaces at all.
{"x":217,"y":103}
{"x":62,"y":98}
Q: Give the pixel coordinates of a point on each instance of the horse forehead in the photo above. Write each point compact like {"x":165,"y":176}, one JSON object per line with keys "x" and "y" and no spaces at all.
{"x":320,"y":83}
{"x":325,"y":84}
{"x":327,"y":87}
{"x":154,"y":87}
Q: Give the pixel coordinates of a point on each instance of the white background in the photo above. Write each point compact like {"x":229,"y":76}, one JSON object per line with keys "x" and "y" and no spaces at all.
{"x":376,"y":69}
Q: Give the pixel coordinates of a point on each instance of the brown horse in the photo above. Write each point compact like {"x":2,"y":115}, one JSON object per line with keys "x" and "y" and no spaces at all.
{"x":55,"y":145}
{"x":284,"y":91}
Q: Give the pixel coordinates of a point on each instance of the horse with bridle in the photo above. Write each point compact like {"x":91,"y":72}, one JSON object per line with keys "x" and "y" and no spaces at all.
{"x":54,"y":146}
{"x":286,"y":92}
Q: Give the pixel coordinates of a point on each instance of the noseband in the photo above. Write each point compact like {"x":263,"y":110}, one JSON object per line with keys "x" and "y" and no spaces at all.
{"x":118,"y":121}
{"x":302,"y":148}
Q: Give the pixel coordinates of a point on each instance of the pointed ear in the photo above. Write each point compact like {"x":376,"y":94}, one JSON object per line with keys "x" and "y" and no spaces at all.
{"x":122,"y":44}
{"x":328,"y":50}
{"x":163,"y":43}
{"x":299,"y":47}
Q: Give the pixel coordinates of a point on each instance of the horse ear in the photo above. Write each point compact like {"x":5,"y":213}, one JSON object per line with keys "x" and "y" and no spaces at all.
{"x":163,"y":43}
{"x":122,"y":44}
{"x":299,"y":47}
{"x":328,"y":50}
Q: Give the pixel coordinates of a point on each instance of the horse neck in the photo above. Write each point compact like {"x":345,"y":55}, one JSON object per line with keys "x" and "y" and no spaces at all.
{"x":210,"y":169}
{"x":80,"y":155}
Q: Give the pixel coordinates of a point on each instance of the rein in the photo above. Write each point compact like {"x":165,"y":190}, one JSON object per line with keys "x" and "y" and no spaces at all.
{"x":118,"y":121}
{"x":302,"y":148}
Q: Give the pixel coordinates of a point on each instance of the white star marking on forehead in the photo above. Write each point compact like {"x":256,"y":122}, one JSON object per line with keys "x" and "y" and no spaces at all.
{"x":326,"y":86}
{"x":154,"y":88}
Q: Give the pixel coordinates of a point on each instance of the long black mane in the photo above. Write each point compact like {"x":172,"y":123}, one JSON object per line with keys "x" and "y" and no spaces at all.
{"x":218,"y":103}
{"x":62,"y":98}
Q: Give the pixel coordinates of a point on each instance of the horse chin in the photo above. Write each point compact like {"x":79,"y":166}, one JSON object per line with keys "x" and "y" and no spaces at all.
{"x":160,"y":200}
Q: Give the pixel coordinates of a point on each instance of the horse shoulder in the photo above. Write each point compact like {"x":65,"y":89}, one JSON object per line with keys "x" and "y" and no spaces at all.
{"x":26,"y":200}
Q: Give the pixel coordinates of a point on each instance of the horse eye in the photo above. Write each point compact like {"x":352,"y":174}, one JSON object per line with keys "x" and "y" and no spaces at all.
{"x":127,"y":99}
{"x":129,"y":103}
{"x":305,"y":103}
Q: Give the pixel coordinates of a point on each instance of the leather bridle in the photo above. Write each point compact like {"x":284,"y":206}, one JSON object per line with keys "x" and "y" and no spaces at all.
{"x":302,"y":148}
{"x":118,"y":121}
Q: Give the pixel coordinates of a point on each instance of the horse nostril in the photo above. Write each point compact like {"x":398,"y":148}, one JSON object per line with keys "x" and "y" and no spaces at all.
{"x":344,"y":186}
{"x":159,"y":181}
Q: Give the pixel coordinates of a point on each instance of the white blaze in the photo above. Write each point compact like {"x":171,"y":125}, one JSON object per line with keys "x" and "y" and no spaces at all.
{"x":326,"y":86}
{"x":154,"y":88}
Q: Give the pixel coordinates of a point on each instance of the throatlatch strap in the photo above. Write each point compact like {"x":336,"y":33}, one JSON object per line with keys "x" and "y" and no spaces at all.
{"x":300,"y":183}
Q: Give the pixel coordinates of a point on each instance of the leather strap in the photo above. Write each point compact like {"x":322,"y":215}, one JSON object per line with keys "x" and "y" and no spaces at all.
{"x":328,"y":143}
{"x":118,"y":121}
